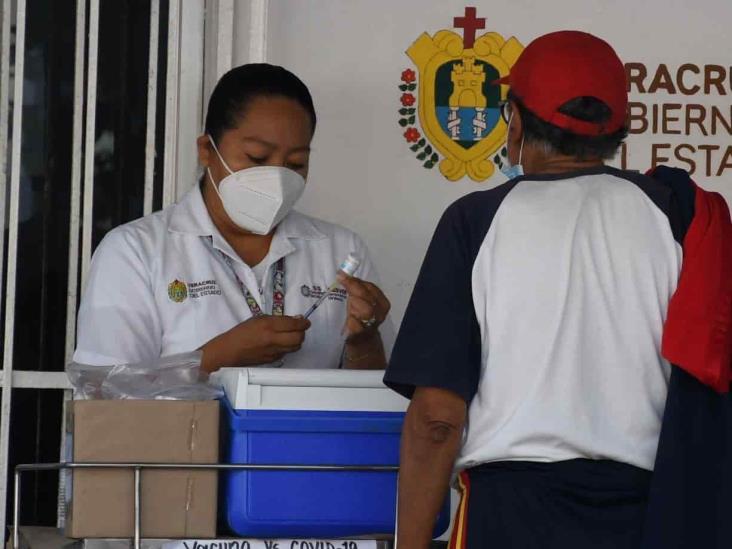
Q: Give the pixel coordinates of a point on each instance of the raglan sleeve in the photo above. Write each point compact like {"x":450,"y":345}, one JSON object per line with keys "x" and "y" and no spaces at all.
{"x":438,"y":344}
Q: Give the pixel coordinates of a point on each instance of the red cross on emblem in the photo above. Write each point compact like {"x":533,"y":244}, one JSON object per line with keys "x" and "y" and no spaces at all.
{"x":469,"y":23}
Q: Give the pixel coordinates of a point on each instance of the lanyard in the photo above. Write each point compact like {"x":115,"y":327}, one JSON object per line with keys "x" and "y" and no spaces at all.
{"x":278,"y":286}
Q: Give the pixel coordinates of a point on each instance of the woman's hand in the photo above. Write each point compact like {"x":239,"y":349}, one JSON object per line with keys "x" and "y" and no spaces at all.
{"x":259,"y":340}
{"x":367,"y":308}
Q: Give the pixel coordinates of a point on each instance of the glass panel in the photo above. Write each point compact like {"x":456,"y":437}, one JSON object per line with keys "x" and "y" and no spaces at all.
{"x":124,"y":38}
{"x":43,"y":235}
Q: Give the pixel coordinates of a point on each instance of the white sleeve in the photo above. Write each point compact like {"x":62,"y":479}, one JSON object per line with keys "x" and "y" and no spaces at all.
{"x":118,"y":319}
{"x":367,"y":271}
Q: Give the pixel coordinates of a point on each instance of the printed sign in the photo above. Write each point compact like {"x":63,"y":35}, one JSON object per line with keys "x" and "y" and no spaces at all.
{"x":684,"y":110}
{"x":270,"y":544}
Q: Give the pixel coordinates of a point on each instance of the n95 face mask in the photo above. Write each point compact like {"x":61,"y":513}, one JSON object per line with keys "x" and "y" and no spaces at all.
{"x":257,"y":199}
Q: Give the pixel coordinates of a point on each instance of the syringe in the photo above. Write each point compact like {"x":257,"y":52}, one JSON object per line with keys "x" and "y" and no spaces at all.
{"x":348,"y":267}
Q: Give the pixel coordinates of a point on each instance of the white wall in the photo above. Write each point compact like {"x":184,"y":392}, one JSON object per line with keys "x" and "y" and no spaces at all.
{"x":351,"y":54}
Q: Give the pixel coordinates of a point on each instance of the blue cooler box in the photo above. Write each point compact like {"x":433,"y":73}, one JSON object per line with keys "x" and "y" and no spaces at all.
{"x":310,"y":503}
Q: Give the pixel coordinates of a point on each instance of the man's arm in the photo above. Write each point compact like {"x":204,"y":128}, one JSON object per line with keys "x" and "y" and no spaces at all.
{"x":431,"y":439}
{"x":437,"y":361}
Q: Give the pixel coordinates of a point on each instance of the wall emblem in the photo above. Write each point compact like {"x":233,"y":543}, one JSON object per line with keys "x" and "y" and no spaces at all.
{"x":452,"y":96}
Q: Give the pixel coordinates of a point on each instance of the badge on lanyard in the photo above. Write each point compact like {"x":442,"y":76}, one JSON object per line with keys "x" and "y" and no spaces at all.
{"x":278,"y":287}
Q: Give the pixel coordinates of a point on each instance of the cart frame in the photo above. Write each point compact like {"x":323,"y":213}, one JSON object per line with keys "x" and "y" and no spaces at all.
{"x":137,"y":468}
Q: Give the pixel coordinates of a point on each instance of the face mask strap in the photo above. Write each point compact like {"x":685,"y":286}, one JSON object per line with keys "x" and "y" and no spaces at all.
{"x":220,"y":157}
{"x":210,"y":177}
{"x":523,"y":140}
{"x":521,"y":149}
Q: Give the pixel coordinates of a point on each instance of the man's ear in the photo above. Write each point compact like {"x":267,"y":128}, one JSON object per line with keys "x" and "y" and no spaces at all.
{"x":204,"y":150}
{"x":517,"y":124}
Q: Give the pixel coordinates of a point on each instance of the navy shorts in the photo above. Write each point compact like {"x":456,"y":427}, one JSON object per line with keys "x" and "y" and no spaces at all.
{"x":575,"y":504}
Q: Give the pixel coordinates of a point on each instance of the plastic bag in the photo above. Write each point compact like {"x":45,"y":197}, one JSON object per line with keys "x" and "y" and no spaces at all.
{"x":87,"y":380}
{"x":174,"y":377}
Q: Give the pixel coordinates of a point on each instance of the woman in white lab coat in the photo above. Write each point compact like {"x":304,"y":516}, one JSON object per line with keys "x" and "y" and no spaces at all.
{"x":232,"y":268}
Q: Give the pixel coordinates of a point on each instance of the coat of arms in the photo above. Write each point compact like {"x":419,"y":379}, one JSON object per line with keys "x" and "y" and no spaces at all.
{"x":177,"y":291}
{"x":457,"y":104}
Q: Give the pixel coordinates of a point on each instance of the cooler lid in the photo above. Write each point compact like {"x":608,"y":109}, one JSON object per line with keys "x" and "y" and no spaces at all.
{"x":308,"y":389}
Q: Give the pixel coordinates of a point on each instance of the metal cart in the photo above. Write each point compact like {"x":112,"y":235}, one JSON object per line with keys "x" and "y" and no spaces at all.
{"x":46,"y":536}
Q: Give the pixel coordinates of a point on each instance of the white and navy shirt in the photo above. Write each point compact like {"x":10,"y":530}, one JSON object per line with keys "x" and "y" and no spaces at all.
{"x":160,"y":286}
{"x":542,"y":302}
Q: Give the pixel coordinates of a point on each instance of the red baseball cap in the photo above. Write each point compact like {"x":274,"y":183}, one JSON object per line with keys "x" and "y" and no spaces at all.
{"x":561,"y":66}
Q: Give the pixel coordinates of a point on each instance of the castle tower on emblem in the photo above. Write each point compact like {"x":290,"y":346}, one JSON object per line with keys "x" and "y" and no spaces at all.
{"x":458,"y":104}
{"x":467,"y":81}
{"x":467,"y":93}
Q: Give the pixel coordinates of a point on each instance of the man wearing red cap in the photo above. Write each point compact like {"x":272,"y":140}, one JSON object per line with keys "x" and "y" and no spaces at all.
{"x":531,"y":344}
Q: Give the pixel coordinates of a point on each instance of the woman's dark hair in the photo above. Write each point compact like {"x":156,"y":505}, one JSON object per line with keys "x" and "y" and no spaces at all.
{"x":555,"y":139}
{"x":238,"y":87}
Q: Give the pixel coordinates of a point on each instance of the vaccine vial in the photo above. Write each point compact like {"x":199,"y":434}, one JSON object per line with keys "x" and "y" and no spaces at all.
{"x":350,"y":265}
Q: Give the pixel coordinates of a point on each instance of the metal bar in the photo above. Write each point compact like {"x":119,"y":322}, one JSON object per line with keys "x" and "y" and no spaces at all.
{"x":16,"y":511}
{"x":138,"y":467}
{"x":62,"y":478}
{"x":190,"y":96}
{"x":90,"y":139}
{"x":137,"y":508}
{"x":4,"y":112}
{"x":171,"y":103}
{"x":72,"y":289}
{"x":152,"y":100}
{"x":224,"y":36}
{"x":206,"y":466}
{"x":10,"y":280}
{"x":23,"y":379}
{"x":258,"y":10}
{"x":4,"y":127}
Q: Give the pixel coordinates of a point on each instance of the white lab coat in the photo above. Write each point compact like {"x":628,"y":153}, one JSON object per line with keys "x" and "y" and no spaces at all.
{"x":159,"y":286}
